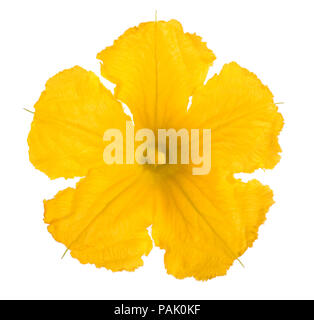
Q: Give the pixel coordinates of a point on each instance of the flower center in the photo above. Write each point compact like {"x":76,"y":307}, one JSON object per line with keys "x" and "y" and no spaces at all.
{"x":154,"y":157}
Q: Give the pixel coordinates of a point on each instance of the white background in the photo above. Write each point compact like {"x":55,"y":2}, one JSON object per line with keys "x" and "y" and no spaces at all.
{"x":274,"y":39}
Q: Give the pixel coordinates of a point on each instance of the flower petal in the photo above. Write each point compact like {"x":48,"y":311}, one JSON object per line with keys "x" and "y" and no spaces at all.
{"x":156,"y":67}
{"x":206,"y":222}
{"x":243,"y":118}
{"x":104,"y":220}
{"x":71,"y":115}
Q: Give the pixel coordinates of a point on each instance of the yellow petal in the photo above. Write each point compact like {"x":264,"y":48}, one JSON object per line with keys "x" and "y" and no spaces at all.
{"x":71,"y":115}
{"x":206,"y":222}
{"x":243,"y":118}
{"x":104,"y":220}
{"x":156,"y":67}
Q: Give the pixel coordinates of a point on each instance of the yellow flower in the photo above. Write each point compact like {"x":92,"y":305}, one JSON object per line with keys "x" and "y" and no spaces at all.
{"x":204,"y":223}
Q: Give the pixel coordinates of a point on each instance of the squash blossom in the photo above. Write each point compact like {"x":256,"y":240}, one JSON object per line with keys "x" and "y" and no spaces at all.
{"x":203,"y":222}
